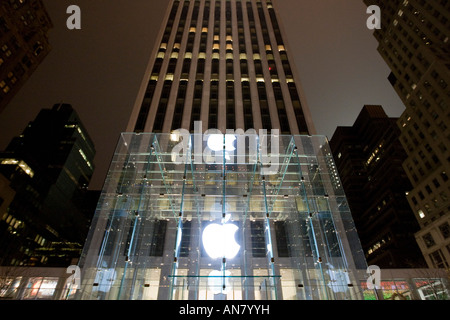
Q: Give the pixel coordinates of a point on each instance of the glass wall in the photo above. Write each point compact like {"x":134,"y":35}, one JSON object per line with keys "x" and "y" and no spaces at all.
{"x":235,"y":216}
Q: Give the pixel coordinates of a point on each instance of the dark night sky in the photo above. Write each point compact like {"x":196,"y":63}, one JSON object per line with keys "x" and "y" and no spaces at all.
{"x":99,"y":69}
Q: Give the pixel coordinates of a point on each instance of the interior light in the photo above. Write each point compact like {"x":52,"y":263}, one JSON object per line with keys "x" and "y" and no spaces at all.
{"x":217,"y":279}
{"x":421,"y":214}
{"x":219,"y":240}
{"x":175,"y":136}
{"x":215,"y":142}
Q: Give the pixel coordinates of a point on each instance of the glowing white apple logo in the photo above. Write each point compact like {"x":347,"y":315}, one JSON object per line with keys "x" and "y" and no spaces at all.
{"x":219,"y":241}
{"x":215,"y":142}
{"x":217,"y":279}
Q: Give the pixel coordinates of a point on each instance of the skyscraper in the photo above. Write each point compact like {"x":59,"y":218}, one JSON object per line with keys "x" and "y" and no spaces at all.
{"x":414,"y":42}
{"x":191,"y":213}
{"x":369,"y":159}
{"x":49,"y":167}
{"x":24,"y":27}
{"x":226,"y":64}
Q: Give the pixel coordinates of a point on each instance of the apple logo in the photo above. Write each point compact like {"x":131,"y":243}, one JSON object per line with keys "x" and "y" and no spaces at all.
{"x":217,"y":279}
{"x":219,"y":240}
{"x":215,"y":142}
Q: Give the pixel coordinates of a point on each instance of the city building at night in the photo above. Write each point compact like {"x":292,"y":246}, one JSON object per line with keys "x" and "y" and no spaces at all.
{"x":369,"y":158}
{"x":24,"y":27}
{"x":47,"y":170}
{"x":414,"y":42}
{"x":220,"y":188}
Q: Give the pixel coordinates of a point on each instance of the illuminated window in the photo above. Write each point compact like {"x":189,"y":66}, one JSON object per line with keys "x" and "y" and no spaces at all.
{"x":421,"y":214}
{"x":9,"y":288}
{"x":21,"y":164}
{"x":83,"y":155}
{"x":40,"y":288}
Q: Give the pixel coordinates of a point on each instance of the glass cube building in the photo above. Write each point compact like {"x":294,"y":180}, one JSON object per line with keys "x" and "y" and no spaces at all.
{"x":251,"y":216}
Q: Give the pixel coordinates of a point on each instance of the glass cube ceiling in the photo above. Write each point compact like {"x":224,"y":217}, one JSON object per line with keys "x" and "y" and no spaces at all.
{"x":305,"y":167}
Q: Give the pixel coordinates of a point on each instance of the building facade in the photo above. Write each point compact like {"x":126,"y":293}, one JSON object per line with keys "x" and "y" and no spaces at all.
{"x":187,"y":212}
{"x":49,"y":167}
{"x":414,"y":42}
{"x":24,"y":27}
{"x":369,"y":158}
{"x":226,"y":64}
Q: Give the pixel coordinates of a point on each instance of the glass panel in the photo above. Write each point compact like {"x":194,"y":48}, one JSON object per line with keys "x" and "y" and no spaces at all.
{"x":235,"y":216}
{"x":40,"y":288}
{"x":9,"y":287}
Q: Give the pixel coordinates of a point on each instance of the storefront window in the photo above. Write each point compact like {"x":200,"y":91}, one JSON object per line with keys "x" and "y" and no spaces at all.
{"x":431,"y":289}
{"x":8,"y":287}
{"x":40,"y":288}
{"x":390,"y":290}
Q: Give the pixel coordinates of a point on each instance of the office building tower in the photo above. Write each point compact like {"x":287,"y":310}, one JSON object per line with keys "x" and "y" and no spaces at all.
{"x":24,"y":27}
{"x":191,"y":213}
{"x":369,"y":158}
{"x":226,"y":64}
{"x":49,"y":167}
{"x":414,"y":42}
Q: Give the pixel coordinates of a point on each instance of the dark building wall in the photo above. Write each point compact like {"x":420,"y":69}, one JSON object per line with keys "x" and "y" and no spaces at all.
{"x":414,"y":41}
{"x":49,"y":166}
{"x":24,"y":27}
{"x":369,"y":159}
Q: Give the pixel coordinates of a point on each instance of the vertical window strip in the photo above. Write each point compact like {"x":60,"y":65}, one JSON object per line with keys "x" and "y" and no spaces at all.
{"x":179,"y":106}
